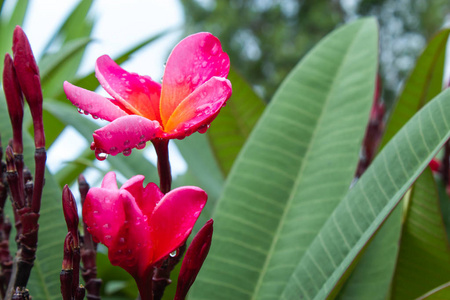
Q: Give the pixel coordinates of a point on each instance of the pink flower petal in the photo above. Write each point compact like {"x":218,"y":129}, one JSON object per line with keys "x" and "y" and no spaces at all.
{"x":132,"y":247}
{"x":174,"y":217}
{"x":125,"y":133}
{"x":146,"y":198}
{"x":199,"y":108}
{"x":92,"y":103}
{"x":104,"y":214}
{"x":109,"y":181}
{"x":192,"y":62}
{"x":139,"y":94}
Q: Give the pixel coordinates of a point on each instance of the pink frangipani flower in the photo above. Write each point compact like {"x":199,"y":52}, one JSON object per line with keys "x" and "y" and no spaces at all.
{"x":140,"y":225}
{"x":193,"y":90}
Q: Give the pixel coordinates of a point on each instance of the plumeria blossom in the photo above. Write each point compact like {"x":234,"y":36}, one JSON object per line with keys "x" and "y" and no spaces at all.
{"x":140,"y":225}
{"x":193,"y":90}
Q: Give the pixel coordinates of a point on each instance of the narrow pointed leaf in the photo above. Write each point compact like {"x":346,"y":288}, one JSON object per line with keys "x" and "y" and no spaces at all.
{"x":295,"y":167}
{"x":356,"y":219}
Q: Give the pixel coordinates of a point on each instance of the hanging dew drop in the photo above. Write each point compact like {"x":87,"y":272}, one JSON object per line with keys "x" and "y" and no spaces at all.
{"x":80,"y":111}
{"x":173,"y":253}
{"x":101,"y":156}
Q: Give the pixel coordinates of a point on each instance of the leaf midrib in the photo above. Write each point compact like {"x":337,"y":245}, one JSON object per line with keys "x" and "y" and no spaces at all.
{"x":301,"y":170}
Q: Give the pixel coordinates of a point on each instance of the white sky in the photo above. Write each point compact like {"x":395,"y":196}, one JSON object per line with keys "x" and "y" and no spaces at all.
{"x":119,"y":25}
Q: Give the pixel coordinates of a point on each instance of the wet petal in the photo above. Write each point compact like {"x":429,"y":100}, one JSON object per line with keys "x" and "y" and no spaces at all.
{"x":124,"y":134}
{"x":93,"y":103}
{"x":104,"y":214}
{"x":132,"y":248}
{"x":200,"y":107}
{"x":146,"y":198}
{"x":173,"y":219}
{"x":139,"y":94}
{"x":192,"y":62}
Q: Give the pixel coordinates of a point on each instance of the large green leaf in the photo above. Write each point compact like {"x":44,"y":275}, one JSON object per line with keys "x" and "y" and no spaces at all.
{"x":44,"y":281}
{"x":424,"y":257}
{"x":233,"y":125}
{"x":295,"y":167}
{"x":370,"y":201}
{"x":424,"y":83}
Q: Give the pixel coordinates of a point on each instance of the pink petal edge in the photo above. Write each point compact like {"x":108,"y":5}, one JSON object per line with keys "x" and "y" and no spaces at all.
{"x":195,"y":60}
{"x":92,"y":103}
{"x":139,"y":94}
{"x":125,"y":133}
{"x":174,"y":217}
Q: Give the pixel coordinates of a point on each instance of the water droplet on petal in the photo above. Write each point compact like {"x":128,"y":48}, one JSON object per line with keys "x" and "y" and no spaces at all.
{"x":122,"y":240}
{"x":113,"y":150}
{"x":195,"y":79}
{"x":203,"y":129}
{"x":127,"y":151}
{"x":80,"y":111}
{"x":100,"y":154}
{"x":204,"y":64}
{"x":95,"y":211}
{"x":106,"y":226}
{"x":108,"y":237}
{"x":95,"y":117}
{"x":142,"y":80}
{"x":173,"y":253}
{"x":126,"y":143}
{"x":141,"y":145}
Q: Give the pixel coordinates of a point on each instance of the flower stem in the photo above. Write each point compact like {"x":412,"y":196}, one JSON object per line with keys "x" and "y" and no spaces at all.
{"x":165,"y":175}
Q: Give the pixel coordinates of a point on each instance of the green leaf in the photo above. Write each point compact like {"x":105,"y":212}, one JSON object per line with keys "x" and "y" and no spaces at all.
{"x":294,"y":169}
{"x":235,"y":121}
{"x":439,"y":293}
{"x":72,"y":170}
{"x":424,"y":83}
{"x":370,"y":201}
{"x":424,"y":257}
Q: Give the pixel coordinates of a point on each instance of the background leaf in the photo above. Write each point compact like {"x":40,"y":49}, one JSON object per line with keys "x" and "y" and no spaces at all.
{"x":274,"y":199}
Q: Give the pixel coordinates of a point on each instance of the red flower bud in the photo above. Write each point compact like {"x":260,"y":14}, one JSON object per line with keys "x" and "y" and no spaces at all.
{"x":30,"y":82}
{"x":14,"y":100}
{"x":70,"y":213}
{"x":193,"y":260}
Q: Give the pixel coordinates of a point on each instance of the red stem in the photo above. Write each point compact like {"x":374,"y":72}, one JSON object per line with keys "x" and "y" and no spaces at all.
{"x":165,"y":175}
